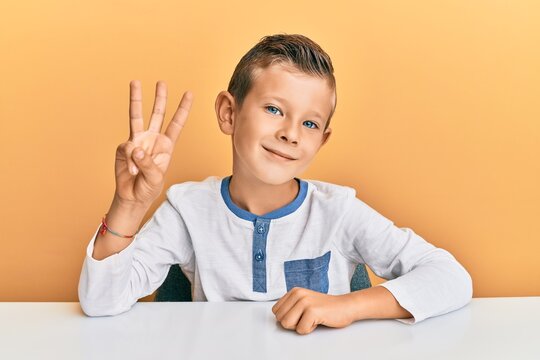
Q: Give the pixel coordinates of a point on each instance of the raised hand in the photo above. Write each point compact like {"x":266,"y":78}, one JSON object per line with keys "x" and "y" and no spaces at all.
{"x":139,"y":181}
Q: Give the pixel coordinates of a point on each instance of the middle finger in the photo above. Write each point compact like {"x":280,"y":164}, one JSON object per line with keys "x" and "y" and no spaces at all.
{"x":160,"y":104}
{"x":286,"y":306}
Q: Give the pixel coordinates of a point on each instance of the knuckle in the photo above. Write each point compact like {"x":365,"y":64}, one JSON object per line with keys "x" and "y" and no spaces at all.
{"x":310,"y":312}
{"x":288,"y":325}
{"x":126,"y":147}
{"x":304,"y":302}
{"x":124,"y":150}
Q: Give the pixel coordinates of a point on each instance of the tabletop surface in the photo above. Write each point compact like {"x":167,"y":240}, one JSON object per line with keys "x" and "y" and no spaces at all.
{"x":487,"y":328}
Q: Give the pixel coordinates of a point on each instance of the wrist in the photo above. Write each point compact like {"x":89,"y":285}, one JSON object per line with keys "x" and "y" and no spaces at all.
{"x":125,"y":217}
{"x":354,"y":306}
{"x":128,"y":207}
{"x":375,"y":302}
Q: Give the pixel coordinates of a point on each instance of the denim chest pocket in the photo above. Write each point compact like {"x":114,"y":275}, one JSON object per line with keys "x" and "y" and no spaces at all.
{"x":308,"y":273}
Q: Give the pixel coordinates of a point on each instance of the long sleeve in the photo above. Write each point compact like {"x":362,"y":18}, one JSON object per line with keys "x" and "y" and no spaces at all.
{"x":113,"y":285}
{"x":427,"y":281}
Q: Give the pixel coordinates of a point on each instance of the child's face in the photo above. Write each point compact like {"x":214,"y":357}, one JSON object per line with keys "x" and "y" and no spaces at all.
{"x":285,"y":111}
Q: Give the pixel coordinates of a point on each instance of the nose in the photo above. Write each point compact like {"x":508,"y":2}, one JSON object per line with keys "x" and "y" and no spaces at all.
{"x":289,"y":132}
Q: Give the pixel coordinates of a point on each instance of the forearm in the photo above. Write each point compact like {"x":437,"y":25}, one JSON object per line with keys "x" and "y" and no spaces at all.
{"x":375,"y":303}
{"x":106,"y":287}
{"x":123,"y":219}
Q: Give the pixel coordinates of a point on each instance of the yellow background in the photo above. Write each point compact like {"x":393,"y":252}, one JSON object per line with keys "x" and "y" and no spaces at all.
{"x":437,"y":124}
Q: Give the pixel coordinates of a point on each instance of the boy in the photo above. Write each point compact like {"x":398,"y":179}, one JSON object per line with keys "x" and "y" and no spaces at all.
{"x":262,"y":234}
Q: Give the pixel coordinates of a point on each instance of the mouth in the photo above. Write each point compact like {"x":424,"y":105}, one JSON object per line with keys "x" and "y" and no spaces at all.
{"x":278,"y":155}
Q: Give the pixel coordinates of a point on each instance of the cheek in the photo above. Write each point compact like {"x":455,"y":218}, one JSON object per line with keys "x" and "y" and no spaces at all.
{"x":312,"y":146}
{"x":255,"y":129}
{"x":245,"y":139}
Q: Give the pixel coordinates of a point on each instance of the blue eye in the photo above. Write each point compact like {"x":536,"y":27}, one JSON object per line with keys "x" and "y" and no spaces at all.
{"x":316,"y":127}
{"x":273,"y":110}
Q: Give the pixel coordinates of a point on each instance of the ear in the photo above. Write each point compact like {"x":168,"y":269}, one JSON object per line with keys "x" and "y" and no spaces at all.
{"x":225,"y":106}
{"x":326,"y":136}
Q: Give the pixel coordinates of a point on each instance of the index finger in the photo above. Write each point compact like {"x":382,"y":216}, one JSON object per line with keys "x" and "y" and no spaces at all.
{"x":280,"y":302}
{"x":180,"y":116}
{"x":136,"y":124}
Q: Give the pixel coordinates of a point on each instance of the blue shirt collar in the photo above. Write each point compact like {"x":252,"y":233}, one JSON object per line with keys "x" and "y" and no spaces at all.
{"x":246,"y":215}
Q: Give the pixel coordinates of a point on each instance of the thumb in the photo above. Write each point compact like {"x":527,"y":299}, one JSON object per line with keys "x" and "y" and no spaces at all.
{"x":148,"y":168}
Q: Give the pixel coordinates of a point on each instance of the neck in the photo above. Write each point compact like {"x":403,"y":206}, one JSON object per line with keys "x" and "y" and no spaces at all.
{"x":259,"y":198}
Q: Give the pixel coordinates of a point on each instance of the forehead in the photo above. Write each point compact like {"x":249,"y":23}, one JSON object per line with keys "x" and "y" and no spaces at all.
{"x":300,"y":90}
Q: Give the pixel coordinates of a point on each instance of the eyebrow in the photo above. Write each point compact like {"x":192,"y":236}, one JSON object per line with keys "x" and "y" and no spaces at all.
{"x":283,"y":100}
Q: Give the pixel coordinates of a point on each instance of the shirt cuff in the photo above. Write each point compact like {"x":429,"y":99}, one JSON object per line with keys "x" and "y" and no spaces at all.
{"x":102,"y":283}
{"x":404,"y":301}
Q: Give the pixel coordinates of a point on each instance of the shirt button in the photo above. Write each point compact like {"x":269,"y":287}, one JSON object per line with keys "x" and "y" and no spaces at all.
{"x":259,"y":256}
{"x":260,"y":229}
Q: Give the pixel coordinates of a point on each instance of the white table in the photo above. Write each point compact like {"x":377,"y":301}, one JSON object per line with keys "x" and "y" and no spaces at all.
{"x":487,"y":328}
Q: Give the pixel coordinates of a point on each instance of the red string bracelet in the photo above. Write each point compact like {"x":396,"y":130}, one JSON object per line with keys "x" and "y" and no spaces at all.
{"x":104,"y":228}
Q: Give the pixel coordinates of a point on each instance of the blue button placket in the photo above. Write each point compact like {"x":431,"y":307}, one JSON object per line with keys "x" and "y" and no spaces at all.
{"x":260,"y":234}
{"x":261,"y":227}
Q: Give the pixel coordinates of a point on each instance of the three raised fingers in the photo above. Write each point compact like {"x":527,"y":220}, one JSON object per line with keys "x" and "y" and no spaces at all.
{"x":136,"y":123}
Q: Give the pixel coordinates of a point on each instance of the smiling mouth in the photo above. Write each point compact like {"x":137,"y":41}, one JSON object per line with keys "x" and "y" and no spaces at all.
{"x":277,"y":155}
